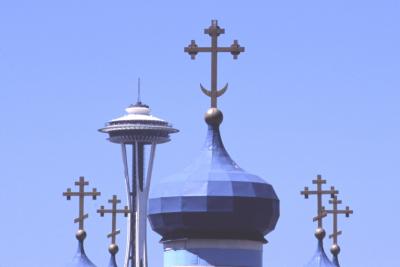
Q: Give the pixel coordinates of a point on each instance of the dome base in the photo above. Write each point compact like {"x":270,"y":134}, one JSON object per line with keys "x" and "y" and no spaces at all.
{"x":213,"y":252}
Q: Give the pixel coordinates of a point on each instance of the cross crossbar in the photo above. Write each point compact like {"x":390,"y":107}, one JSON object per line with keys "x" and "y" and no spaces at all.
{"x":193,"y":49}
{"x":335,"y":212}
{"x":113,"y":211}
{"x":81,"y":194}
{"x":319,"y":192}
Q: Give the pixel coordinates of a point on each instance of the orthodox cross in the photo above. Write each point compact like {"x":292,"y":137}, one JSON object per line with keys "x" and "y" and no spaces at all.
{"x":319,"y":192}
{"x":114,"y":211}
{"x":81,"y":194}
{"x":235,"y":49}
{"x":335,"y":213}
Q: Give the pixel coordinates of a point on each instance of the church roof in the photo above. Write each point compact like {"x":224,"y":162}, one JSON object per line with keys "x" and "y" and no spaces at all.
{"x":335,"y":261}
{"x":213,"y":198}
{"x":320,"y":259}
{"x":113,"y":262}
{"x":80,"y":259}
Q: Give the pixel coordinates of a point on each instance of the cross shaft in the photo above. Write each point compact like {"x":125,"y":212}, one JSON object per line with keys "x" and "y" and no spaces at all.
{"x":335,"y":212}
{"x":193,"y":49}
{"x":81,"y":194}
{"x":113,"y":211}
{"x":319,"y":193}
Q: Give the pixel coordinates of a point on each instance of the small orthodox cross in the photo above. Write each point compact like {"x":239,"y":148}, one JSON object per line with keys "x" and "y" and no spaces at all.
{"x":114,"y":211}
{"x":319,"y":192}
{"x":235,"y":49}
{"x":335,"y":211}
{"x":81,"y":194}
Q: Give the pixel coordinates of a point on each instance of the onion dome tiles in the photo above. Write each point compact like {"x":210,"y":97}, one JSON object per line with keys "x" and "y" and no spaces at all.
{"x":213,"y":197}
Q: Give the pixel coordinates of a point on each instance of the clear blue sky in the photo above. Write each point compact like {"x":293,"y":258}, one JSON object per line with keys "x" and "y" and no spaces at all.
{"x":317,"y":91}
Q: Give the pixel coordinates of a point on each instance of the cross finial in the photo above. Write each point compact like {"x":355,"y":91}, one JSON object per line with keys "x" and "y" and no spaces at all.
{"x":235,"y":49}
{"x":319,"y":193}
{"x":81,"y":194}
{"x":113,"y":211}
{"x":335,"y":212}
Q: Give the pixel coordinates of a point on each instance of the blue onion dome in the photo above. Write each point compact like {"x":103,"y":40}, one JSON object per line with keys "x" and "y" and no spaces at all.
{"x":320,"y":259}
{"x":213,"y":197}
{"x":80,"y":259}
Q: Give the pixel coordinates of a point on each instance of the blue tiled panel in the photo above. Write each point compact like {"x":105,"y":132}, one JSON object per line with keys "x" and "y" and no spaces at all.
{"x":224,"y":217}
{"x":213,"y":257}
{"x":213,"y":197}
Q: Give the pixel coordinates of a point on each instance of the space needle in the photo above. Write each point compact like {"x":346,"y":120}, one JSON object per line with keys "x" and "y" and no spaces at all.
{"x":138,"y":132}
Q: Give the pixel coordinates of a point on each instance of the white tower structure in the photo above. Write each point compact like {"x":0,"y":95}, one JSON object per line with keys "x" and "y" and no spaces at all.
{"x":135,"y":131}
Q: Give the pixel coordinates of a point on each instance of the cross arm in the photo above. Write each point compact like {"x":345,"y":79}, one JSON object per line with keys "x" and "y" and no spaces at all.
{"x":347,"y":212}
{"x":319,"y":180}
{"x":114,"y":233}
{"x":323,"y":214}
{"x":103,"y":211}
{"x":335,"y":234}
{"x":306,"y":192}
{"x":70,"y":194}
{"x":82,"y":182}
{"x":335,"y":201}
{"x":81,"y":218}
{"x":124,"y":211}
{"x":114,"y":200}
{"x":332,"y":192}
{"x":209,"y":49}
{"x":192,"y":49}
{"x":93,"y":194}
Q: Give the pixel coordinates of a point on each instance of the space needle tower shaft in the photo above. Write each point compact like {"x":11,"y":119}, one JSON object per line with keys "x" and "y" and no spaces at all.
{"x":138,"y":132}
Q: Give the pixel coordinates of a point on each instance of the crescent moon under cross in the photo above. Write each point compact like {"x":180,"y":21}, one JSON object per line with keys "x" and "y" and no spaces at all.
{"x":218,"y":93}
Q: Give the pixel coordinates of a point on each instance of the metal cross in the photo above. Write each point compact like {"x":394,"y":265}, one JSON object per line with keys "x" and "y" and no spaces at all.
{"x":335,"y":213}
{"x":319,"y":192}
{"x":81,"y":194}
{"x":235,"y":49}
{"x":114,"y":211}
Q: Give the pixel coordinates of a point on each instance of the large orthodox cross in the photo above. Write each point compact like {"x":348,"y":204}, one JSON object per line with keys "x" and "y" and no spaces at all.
{"x":335,"y":212}
{"x":114,"y":211}
{"x":319,"y":193}
{"x":235,"y":49}
{"x":81,"y":194}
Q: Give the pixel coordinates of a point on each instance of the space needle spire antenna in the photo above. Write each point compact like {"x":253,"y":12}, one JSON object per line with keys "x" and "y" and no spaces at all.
{"x":139,"y":100}
{"x":138,"y":132}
